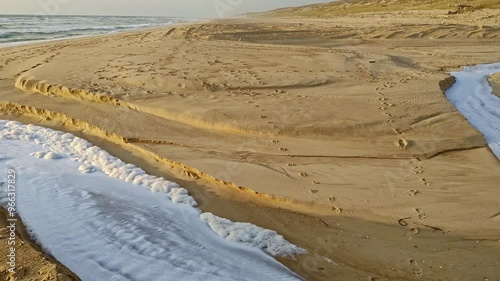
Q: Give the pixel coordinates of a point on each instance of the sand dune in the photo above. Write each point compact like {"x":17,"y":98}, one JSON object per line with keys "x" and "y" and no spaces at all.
{"x":350,"y":7}
{"x":332,"y":131}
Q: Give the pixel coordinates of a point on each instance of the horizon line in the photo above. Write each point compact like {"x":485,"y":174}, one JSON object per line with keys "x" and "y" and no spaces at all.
{"x":98,"y":15}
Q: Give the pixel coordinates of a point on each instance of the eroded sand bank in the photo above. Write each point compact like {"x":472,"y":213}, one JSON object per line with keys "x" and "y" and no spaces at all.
{"x":495,"y":83}
{"x":344,"y":126}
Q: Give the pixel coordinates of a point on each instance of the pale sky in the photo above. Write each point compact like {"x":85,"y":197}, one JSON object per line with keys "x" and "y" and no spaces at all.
{"x":173,"y":8}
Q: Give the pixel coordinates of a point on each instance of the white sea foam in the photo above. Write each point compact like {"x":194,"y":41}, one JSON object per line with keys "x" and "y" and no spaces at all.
{"x":251,"y":235}
{"x":108,"y":220}
{"x":473,"y":96}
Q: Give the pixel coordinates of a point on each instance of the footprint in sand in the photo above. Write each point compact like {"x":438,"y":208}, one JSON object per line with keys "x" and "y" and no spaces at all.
{"x":412,"y":192}
{"x":398,"y":131}
{"x":418,"y":170}
{"x":337,"y":209}
{"x":413,"y":231}
{"x":403,"y":222}
{"x":417,"y":270}
{"x":403,"y":144}
{"x":425,"y":182}
{"x":421,"y":214}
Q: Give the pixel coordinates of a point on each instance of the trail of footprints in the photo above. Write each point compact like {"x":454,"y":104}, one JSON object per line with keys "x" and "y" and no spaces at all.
{"x":275,"y":142}
{"x":416,"y":164}
{"x":403,"y":143}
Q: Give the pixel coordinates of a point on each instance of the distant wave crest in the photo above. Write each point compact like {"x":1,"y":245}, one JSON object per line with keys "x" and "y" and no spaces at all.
{"x":23,"y":29}
{"x":5,"y":34}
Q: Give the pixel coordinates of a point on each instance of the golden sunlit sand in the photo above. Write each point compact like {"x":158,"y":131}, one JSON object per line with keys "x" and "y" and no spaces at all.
{"x":333,"y":131}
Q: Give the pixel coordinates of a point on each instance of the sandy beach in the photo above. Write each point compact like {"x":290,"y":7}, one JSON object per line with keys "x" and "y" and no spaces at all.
{"x":335,"y":132}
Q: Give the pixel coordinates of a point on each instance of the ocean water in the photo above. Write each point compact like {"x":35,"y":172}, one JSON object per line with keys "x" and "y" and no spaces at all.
{"x":16,"y":29}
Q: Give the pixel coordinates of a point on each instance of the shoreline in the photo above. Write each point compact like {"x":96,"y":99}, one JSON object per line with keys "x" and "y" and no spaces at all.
{"x":71,"y":38}
{"x":311,"y":179}
{"x":30,"y":260}
{"x":495,"y":83}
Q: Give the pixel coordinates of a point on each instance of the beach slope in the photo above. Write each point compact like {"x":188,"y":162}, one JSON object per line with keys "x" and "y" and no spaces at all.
{"x":335,"y":132}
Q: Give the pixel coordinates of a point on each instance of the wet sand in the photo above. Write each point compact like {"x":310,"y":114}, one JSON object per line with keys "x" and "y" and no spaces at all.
{"x":334,"y":134}
{"x":495,"y":83}
{"x":31,"y":264}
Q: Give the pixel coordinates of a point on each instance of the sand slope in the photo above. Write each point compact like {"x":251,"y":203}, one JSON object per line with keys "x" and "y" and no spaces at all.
{"x":31,"y":263}
{"x":350,"y":7}
{"x":340,"y":120}
{"x":495,"y":83}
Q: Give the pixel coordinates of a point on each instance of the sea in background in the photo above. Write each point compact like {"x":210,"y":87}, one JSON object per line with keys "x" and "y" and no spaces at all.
{"x":19,"y":29}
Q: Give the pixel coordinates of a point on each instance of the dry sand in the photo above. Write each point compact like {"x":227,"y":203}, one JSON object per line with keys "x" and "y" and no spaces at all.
{"x":334,"y":132}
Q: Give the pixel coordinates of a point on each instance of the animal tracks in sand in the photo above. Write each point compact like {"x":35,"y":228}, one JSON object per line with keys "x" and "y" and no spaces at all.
{"x":413,"y":231}
{"x":403,"y":144}
{"x":412,"y":192}
{"x":418,"y":170}
{"x":403,"y":221}
{"x":425,"y":182}
{"x":416,"y":268}
{"x":421,"y":214}
{"x":398,"y":131}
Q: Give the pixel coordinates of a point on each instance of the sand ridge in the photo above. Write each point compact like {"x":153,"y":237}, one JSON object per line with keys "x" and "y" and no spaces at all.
{"x":337,"y":122}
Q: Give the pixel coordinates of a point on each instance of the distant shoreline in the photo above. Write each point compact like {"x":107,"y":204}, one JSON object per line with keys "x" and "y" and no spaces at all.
{"x":107,"y":27}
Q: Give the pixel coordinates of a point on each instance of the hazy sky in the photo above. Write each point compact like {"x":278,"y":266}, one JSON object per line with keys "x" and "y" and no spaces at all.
{"x":184,"y":8}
